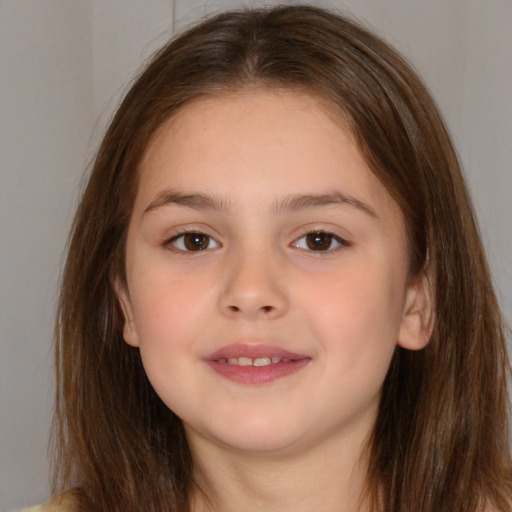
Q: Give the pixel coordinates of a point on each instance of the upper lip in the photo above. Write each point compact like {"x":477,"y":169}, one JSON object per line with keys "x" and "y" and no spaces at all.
{"x":253,"y":350}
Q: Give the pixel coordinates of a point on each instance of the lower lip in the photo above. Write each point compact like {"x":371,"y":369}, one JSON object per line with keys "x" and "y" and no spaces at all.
{"x":256,"y":375}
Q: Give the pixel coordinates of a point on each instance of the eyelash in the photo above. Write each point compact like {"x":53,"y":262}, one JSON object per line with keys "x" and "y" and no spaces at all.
{"x":332,"y":238}
{"x":321,"y":232}
{"x":171,"y":242}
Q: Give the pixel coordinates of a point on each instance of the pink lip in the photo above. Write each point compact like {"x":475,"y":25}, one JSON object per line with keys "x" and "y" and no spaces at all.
{"x":255,"y":375}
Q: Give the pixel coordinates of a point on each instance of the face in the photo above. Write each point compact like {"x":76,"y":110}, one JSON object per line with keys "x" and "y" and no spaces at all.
{"x":266,"y":274}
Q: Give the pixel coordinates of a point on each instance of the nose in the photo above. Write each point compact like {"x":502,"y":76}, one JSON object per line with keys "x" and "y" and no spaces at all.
{"x":253,"y":288}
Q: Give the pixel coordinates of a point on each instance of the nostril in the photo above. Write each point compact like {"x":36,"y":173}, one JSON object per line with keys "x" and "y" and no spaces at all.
{"x":237,"y":309}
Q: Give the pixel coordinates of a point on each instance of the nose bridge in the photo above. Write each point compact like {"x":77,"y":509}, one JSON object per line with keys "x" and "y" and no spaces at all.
{"x":253,"y":284}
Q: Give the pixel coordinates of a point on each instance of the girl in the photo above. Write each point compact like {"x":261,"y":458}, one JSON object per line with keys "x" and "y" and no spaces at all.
{"x":275,"y":296}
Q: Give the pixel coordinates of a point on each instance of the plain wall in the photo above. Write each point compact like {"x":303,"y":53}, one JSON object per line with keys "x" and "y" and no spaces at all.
{"x":64,"y":65}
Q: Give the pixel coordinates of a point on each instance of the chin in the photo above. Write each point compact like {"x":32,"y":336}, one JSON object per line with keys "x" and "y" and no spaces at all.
{"x":260,"y":445}
{"x":251,"y":437}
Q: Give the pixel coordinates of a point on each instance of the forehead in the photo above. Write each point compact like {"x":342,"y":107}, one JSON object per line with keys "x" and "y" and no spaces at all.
{"x":257,"y":140}
{"x":208,"y":116}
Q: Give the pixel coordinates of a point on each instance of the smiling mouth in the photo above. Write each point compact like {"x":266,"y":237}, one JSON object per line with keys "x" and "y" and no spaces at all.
{"x":257,"y":364}
{"x":257,"y":361}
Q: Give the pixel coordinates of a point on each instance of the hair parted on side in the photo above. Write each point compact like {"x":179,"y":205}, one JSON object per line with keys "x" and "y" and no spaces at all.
{"x":441,"y":437}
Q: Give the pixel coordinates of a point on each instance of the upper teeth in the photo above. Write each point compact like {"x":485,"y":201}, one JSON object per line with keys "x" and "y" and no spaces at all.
{"x":257,"y":361}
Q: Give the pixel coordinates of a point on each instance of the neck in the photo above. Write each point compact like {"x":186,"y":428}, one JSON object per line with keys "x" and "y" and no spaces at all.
{"x":329,"y":478}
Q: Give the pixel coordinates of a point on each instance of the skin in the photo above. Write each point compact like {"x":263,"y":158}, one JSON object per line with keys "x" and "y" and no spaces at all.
{"x":275,"y":445}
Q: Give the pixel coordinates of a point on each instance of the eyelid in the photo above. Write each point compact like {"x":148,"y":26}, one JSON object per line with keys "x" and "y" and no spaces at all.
{"x":343,"y":242}
{"x":181,"y":232}
{"x":169,"y":241}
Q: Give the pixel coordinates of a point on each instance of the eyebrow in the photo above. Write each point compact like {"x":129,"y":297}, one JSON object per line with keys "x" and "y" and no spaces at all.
{"x":292,"y":202}
{"x":304,"y":201}
{"x":196,"y":201}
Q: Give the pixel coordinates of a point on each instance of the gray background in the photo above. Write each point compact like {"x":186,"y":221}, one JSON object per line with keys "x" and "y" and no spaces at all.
{"x":64,"y":65}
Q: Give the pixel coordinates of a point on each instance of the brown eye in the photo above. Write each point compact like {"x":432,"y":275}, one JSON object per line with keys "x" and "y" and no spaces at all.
{"x":319,"y":241}
{"x":193,"y":242}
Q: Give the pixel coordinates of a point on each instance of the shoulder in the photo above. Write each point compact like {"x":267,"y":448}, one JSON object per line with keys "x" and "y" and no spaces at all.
{"x":63,"y":503}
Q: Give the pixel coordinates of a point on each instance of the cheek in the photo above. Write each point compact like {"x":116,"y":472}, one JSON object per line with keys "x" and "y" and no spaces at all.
{"x":167,"y":313}
{"x":167,"y":309}
{"x":356,"y":311}
{"x":161,"y":291}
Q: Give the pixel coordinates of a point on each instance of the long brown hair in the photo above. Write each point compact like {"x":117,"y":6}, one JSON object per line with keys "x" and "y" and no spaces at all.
{"x":440,"y":441}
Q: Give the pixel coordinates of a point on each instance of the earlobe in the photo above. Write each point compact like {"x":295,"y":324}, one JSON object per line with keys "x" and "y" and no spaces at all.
{"x":418,"y":316}
{"x":130,"y":334}
{"x":129,"y":330}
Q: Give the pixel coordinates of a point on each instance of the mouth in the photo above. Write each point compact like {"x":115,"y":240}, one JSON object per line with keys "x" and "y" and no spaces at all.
{"x":255,"y":364}
{"x":257,"y":361}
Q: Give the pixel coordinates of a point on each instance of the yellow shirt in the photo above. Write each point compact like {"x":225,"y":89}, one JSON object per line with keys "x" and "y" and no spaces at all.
{"x":63,"y":503}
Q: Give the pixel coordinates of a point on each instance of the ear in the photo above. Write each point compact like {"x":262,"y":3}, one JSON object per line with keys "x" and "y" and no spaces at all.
{"x":418,"y":315}
{"x":129,"y":329}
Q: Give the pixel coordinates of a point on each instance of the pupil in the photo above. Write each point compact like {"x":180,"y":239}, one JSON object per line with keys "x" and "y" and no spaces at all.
{"x":196,"y":241}
{"x":318,"y":241}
